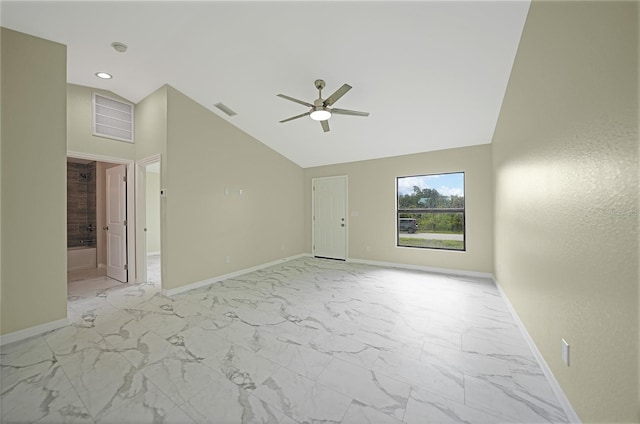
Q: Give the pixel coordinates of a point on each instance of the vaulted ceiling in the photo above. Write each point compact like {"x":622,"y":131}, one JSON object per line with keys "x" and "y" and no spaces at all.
{"x":432,"y":74}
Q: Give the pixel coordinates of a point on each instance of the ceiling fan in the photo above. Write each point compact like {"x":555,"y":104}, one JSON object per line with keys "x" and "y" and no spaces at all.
{"x":320,"y":109}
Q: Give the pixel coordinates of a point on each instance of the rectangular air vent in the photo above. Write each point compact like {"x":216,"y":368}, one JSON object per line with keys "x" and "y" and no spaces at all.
{"x":226,"y":109}
{"x":112,"y":118}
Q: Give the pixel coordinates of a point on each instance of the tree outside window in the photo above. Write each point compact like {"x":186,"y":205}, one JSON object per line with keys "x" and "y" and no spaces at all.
{"x":431,"y":211}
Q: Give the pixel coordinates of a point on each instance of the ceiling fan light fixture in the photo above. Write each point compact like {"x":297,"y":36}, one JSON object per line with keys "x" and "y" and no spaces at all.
{"x":321,"y":109}
{"x":320,"y":114}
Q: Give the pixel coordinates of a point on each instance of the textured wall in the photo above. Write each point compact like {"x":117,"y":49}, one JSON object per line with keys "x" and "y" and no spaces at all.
{"x":206,"y":216}
{"x":565,"y":156}
{"x":151,"y":139}
{"x":80,"y":136}
{"x":34,"y":262}
{"x":372,"y":194}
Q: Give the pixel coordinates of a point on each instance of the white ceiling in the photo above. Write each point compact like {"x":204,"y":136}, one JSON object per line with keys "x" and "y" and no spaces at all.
{"x":432,"y":74}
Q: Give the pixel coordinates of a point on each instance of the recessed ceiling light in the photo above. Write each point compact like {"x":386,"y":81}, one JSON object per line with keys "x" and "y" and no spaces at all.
{"x":103,"y":75}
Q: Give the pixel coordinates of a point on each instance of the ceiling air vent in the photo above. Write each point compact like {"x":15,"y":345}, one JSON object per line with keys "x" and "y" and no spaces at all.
{"x":225,"y":109}
{"x":112,"y":118}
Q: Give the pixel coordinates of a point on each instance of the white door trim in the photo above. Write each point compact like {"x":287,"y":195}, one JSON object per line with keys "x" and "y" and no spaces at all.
{"x":141,"y":219}
{"x":131,"y":229}
{"x":346,"y":214}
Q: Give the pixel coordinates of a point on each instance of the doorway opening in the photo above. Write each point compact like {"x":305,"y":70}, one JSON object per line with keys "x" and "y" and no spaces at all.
{"x":100,"y":243}
{"x":148,"y":205}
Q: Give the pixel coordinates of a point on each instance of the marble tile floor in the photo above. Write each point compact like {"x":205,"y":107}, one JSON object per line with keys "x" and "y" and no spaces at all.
{"x":86,"y":274}
{"x":306,"y":341}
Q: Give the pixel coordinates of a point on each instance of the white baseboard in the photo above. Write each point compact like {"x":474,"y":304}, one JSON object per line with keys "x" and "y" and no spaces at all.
{"x":32,"y":331}
{"x":555,"y":386}
{"x":424,"y":268}
{"x":203,"y":283}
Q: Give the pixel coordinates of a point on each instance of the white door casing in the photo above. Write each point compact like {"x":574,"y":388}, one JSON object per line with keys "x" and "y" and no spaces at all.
{"x":131,"y":228}
{"x":116,"y":217}
{"x":330,"y":217}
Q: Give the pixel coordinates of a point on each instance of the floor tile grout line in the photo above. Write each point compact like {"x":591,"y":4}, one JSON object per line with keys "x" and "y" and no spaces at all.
{"x":325,"y":366}
{"x":73,"y":387}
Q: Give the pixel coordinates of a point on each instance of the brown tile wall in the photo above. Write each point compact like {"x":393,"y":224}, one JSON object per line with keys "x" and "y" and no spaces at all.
{"x":81,"y":204}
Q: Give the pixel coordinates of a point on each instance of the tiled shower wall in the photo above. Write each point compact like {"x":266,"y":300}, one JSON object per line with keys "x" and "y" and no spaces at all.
{"x":81,"y":204}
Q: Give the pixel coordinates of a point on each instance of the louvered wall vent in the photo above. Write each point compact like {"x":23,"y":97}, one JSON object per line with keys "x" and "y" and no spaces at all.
{"x":112,"y":118}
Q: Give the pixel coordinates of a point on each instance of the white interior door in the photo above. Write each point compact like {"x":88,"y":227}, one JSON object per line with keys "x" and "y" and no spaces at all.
{"x":116,"y":223}
{"x":330,"y":217}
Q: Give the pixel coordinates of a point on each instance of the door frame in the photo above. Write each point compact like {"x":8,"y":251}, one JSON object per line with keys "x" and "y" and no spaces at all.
{"x":141,"y":219}
{"x":131,"y":227}
{"x":346,"y":213}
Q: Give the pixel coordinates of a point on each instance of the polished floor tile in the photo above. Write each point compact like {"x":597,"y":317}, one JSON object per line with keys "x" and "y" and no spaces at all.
{"x":306,"y":341}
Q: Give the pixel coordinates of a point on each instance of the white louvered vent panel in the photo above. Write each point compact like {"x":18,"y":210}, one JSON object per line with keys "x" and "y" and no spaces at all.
{"x":110,"y":132}
{"x":113,"y":122}
{"x":114,"y":113}
{"x":112,"y":118}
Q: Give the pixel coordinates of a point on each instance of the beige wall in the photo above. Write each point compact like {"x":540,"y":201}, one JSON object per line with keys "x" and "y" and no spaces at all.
{"x":80,"y":136}
{"x":151,"y":139}
{"x":1,"y":180}
{"x":565,"y":156}
{"x":371,"y":192}
{"x":153,"y":212}
{"x":34,"y":274}
{"x":203,"y":225}
{"x":151,"y":125}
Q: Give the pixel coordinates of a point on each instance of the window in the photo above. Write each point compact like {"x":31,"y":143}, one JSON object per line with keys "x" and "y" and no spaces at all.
{"x":430,"y":211}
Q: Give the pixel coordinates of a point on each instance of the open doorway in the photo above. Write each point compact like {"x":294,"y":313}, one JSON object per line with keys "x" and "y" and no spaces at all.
{"x":148,"y":186}
{"x":97,"y":247}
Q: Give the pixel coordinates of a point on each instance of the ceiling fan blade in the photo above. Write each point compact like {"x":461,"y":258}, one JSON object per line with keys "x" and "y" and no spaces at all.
{"x":338,"y":93}
{"x":295,"y":117}
{"x":349,"y":112}
{"x":325,"y":125}
{"x":295,"y":100}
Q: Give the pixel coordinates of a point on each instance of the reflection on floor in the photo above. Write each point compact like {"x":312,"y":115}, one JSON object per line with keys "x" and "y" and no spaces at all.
{"x":86,"y":274}
{"x":306,"y":341}
{"x":153,"y":269}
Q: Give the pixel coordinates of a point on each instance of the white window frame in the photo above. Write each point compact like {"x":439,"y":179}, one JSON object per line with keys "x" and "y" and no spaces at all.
{"x":432,"y":211}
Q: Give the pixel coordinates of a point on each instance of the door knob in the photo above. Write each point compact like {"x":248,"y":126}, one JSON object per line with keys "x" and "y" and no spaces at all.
{"x":342,"y":225}
{"x":105,"y":228}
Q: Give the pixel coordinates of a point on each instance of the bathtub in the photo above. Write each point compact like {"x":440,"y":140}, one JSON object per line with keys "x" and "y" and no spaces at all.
{"x":81,"y":258}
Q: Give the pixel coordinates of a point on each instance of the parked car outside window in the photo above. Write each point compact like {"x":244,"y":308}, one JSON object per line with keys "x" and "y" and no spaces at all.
{"x":407,"y":224}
